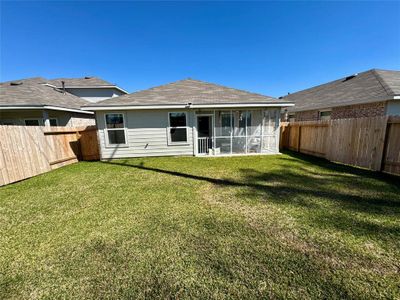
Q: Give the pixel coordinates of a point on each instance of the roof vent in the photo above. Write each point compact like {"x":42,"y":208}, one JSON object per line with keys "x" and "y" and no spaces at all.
{"x":350,"y":77}
{"x":16,"y":83}
{"x":88,"y":77}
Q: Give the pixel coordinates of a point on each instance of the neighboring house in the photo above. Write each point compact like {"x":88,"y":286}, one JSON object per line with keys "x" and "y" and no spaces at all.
{"x":188,"y":117}
{"x":92,"y":89}
{"x":32,"y":102}
{"x":367,"y":94}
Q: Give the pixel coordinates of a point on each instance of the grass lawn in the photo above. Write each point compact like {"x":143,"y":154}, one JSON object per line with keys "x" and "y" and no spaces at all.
{"x":283,"y":226}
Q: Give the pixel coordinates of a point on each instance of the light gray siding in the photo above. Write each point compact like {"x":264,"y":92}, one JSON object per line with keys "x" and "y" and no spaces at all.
{"x":146,"y":134}
{"x":95,"y":94}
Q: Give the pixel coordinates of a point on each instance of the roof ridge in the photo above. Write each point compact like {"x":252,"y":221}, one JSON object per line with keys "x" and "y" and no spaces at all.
{"x":228,"y":87}
{"x":142,"y":90}
{"x":328,"y":83}
{"x":382,"y":82}
{"x":26,"y":80}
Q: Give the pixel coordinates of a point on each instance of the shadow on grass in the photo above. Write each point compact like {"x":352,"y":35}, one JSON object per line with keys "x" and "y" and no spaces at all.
{"x":339,"y":168}
{"x":294,"y":185}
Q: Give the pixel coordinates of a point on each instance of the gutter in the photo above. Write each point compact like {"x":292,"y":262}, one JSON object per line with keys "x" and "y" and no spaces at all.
{"x":186,"y":106}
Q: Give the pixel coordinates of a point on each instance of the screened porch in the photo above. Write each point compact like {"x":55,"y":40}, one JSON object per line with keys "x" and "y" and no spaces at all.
{"x":229,"y":132}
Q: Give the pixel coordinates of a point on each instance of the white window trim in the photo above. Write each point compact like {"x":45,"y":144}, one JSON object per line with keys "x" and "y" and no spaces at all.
{"x":169,"y":140}
{"x":108,"y":145}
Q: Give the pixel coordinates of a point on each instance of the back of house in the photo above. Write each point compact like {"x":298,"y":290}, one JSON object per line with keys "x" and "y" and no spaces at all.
{"x":188,"y":117}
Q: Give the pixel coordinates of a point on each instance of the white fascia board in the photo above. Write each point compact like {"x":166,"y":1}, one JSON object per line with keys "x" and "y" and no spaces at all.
{"x":241,"y":105}
{"x":88,"y":87}
{"x":183,"y":106}
{"x":138,"y":107}
{"x":95,"y":87}
{"x":68,"y":109}
{"x":397,"y":97}
{"x":49,"y":107}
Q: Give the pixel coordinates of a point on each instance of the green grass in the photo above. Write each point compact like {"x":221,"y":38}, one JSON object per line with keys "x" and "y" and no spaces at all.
{"x":283,"y":226}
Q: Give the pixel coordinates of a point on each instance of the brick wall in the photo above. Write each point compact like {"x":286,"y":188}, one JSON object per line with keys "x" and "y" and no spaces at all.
{"x":309,"y":115}
{"x":346,"y":112}
{"x":359,"y":111}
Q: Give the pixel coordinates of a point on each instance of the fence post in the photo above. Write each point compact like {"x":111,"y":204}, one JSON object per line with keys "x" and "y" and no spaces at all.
{"x":78,"y":138}
{"x":385,"y":142}
{"x":298,"y":139}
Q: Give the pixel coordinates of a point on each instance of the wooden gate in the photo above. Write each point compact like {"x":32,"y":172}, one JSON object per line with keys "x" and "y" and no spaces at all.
{"x":26,"y":151}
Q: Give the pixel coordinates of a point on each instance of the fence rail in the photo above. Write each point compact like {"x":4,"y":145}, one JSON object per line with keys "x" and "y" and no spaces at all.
{"x":372,"y":143}
{"x":26,"y":151}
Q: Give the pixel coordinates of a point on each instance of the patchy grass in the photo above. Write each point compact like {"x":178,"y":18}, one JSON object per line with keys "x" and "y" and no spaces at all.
{"x":282,"y":226}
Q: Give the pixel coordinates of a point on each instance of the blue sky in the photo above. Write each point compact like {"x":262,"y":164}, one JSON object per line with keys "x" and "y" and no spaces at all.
{"x":265,"y":47}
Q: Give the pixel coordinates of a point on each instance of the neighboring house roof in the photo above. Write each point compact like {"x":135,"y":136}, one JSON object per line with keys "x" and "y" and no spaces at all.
{"x":188,"y":92}
{"x":84,"y":82}
{"x":366,"y":87}
{"x":34,"y":93}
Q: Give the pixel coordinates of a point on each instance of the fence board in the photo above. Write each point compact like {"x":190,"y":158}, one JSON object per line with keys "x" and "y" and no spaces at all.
{"x":27,"y":151}
{"x":89,"y":144}
{"x":372,"y":143}
{"x":391,"y":160}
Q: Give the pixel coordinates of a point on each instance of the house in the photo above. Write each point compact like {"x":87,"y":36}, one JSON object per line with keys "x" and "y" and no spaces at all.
{"x":188,"y":117}
{"x":367,"y":94}
{"x":33,"y":102}
{"x":92,"y":89}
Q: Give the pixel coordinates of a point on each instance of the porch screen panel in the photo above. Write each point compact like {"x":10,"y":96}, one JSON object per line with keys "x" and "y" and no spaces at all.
{"x":254,"y":124}
{"x":223,"y":132}
{"x":245,"y":131}
{"x":223,"y":145}
{"x":269,"y":130}
{"x":223,"y":126}
{"x":239,"y":145}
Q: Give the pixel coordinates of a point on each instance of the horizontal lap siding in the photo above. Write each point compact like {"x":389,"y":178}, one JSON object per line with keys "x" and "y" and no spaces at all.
{"x":146,"y":134}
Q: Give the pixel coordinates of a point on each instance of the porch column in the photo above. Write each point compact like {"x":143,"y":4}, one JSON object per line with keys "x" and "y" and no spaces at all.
{"x":46,"y":119}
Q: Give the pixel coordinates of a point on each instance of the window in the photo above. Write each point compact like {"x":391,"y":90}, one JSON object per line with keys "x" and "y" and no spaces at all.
{"x":115,"y":127}
{"x":7,"y":123}
{"x":32,"y":122}
{"x":325,"y":115}
{"x":226,"y":126}
{"x":53,"y":121}
{"x":177,"y":131}
{"x":291,"y":117}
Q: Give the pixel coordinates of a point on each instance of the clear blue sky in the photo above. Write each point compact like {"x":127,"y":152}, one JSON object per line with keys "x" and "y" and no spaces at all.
{"x":266,"y":47}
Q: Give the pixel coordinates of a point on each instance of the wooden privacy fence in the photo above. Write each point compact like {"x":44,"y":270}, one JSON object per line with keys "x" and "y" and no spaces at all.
{"x":372,"y":143}
{"x":26,"y":151}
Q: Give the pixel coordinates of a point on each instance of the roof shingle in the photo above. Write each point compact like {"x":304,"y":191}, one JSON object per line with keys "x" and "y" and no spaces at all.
{"x":80,"y":82}
{"x":33,"y":92}
{"x":366,"y":87}
{"x":187,"y":91}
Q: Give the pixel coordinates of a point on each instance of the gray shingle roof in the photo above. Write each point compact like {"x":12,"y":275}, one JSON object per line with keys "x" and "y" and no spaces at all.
{"x":80,"y":82}
{"x":33,"y":92}
{"x":367,"y":87}
{"x":187,"y":91}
